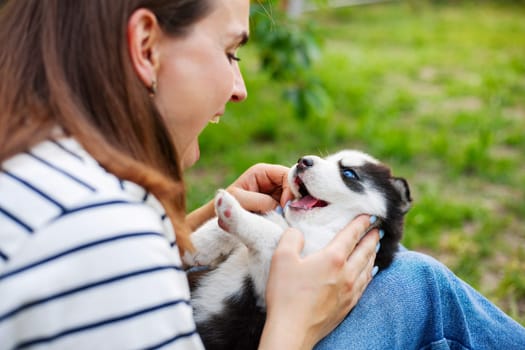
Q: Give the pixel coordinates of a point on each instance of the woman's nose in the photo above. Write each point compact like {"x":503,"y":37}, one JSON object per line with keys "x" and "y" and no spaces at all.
{"x":239,"y":92}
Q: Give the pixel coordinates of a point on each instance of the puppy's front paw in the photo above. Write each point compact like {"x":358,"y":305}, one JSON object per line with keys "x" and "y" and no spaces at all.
{"x":228,"y":211}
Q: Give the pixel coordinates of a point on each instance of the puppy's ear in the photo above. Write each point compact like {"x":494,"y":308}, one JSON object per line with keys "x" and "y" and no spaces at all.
{"x":401,"y":186}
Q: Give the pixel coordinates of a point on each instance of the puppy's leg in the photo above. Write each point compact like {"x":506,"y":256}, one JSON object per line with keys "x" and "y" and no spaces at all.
{"x":256,"y":232}
{"x":212,"y":245}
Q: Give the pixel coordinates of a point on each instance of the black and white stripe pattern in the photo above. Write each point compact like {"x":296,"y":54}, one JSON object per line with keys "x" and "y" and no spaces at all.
{"x":86,"y":260}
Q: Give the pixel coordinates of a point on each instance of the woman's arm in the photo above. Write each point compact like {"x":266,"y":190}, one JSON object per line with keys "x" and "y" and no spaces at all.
{"x":200,"y":215}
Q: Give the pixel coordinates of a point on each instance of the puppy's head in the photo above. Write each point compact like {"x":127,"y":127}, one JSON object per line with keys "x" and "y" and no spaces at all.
{"x":341,"y":186}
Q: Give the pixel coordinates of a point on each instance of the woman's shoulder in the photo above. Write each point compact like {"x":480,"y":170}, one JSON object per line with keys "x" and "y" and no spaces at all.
{"x":58,"y":189}
{"x":86,"y":257}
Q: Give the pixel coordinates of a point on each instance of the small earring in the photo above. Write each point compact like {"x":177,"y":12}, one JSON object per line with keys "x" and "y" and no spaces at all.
{"x":153,"y":87}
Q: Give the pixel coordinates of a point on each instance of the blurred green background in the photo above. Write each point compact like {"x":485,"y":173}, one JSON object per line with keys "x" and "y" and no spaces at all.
{"x":434,"y":89}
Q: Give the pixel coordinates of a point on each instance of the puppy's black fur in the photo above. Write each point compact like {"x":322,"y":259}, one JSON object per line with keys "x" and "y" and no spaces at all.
{"x":239,"y":327}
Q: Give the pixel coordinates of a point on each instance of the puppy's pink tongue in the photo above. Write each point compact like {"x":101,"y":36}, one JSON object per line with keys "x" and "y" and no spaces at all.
{"x":307,"y":202}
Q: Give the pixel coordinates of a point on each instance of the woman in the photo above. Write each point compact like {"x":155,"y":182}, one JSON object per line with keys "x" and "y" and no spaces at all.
{"x":101,"y":105}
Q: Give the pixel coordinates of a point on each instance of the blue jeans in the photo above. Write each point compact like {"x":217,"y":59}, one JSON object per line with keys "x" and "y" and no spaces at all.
{"x":417,"y":303}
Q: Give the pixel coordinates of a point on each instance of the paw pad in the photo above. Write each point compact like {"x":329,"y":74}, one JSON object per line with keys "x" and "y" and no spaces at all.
{"x":227,"y":210}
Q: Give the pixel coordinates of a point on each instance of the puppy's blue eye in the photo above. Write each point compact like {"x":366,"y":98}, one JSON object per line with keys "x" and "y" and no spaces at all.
{"x":350,"y":174}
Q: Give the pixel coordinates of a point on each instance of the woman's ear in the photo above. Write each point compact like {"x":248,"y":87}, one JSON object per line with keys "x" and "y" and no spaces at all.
{"x":143,"y":34}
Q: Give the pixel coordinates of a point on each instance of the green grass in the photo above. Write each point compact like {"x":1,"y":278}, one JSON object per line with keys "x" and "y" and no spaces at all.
{"x":437,"y":92}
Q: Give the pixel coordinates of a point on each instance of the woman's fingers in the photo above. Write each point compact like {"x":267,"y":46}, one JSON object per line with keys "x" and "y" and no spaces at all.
{"x":264,"y":179}
{"x":253,"y":201}
{"x":292,"y":241}
{"x":364,"y":253}
{"x":289,"y":249}
{"x":360,"y":282}
{"x":286,"y":195}
{"x":347,"y":239}
{"x":360,"y":264}
{"x":355,"y":254}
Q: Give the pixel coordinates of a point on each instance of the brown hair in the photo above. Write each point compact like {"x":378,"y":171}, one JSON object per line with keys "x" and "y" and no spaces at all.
{"x":66,"y":63}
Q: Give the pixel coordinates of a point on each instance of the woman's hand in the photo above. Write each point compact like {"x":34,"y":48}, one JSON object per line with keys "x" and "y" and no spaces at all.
{"x":260,"y":189}
{"x":308,"y":297}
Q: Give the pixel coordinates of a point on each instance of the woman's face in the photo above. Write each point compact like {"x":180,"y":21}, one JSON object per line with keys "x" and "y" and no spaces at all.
{"x":198,"y":74}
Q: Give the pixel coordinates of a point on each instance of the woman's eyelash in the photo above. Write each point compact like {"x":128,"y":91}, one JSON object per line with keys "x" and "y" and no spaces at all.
{"x":233,"y":57}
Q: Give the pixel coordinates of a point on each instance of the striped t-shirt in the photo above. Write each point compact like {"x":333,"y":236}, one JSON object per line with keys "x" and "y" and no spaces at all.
{"x":87,"y":261}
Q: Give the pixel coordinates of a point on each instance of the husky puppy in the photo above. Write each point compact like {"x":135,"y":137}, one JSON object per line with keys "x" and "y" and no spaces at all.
{"x":237,"y":246}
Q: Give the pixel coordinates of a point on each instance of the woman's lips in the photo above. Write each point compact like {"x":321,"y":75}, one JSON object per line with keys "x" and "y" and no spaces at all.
{"x":216,"y":118}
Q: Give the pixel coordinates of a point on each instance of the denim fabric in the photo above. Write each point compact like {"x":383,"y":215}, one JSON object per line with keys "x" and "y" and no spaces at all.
{"x":417,"y":303}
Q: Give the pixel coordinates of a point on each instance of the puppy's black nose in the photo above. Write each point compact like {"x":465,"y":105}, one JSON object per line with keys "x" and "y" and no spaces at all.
{"x":304,"y":163}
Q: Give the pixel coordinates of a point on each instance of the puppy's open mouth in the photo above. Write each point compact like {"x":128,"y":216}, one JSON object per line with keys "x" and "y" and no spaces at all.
{"x":305,"y":201}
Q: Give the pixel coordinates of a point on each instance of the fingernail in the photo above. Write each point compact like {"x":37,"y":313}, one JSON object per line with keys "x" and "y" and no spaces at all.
{"x":373,"y":219}
{"x":287,"y":204}
{"x":378,"y":246}
{"x":279,"y":210}
{"x":375,"y":270}
{"x":381,"y":234}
